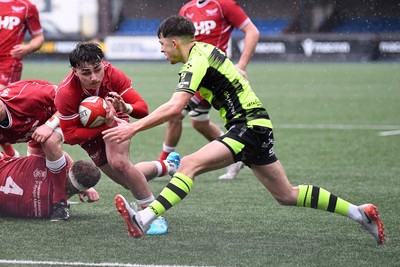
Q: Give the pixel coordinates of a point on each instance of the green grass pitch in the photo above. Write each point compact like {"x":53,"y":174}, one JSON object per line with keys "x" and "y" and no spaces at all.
{"x":327,"y":118}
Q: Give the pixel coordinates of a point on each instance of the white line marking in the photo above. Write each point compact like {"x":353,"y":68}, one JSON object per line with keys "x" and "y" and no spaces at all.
{"x":389,"y":133}
{"x":324,"y":126}
{"x":105,"y":264}
{"x":337,"y":126}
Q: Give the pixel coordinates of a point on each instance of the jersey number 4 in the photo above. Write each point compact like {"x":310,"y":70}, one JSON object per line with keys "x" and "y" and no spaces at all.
{"x":11,"y":187}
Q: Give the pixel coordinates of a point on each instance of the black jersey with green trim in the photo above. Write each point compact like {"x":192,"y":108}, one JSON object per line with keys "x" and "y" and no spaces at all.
{"x":209,"y":71}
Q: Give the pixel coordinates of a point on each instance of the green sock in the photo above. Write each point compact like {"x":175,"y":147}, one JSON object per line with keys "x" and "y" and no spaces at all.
{"x":318,"y":198}
{"x":176,"y":190}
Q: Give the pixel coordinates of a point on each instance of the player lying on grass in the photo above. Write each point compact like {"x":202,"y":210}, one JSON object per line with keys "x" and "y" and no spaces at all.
{"x":26,"y":189}
{"x":249,"y":137}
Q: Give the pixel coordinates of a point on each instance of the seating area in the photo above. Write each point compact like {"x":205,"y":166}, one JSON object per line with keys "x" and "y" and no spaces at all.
{"x":367,"y":25}
{"x":138,"y":27}
{"x":149,"y":26}
{"x":268,"y":27}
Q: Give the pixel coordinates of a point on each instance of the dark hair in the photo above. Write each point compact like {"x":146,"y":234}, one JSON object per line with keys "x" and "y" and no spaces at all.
{"x":85,"y":52}
{"x":86,"y":173}
{"x":176,"y":26}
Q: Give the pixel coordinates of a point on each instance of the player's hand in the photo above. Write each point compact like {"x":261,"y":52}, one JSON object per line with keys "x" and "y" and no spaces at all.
{"x":19,"y":51}
{"x":124,"y":131}
{"x":110,"y":114}
{"x":244,"y":74}
{"x":42,"y":133}
{"x":118,"y":102}
{"x":91,"y":194}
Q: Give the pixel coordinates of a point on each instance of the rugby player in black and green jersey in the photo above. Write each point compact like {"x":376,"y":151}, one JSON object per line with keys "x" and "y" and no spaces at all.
{"x":249,"y":136}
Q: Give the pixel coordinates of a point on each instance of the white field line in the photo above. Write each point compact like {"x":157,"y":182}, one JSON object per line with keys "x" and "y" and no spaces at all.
{"x":102,"y":264}
{"x":389,"y":133}
{"x":325,"y":126}
{"x":388,"y":129}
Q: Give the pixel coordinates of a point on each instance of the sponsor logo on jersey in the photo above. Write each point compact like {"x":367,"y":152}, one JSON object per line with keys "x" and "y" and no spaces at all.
{"x":40,"y":175}
{"x":9,"y":22}
{"x":18,"y":9}
{"x":184,"y":81}
{"x":189,"y":15}
{"x":5,"y":92}
{"x":204,"y":27}
{"x":211,"y":12}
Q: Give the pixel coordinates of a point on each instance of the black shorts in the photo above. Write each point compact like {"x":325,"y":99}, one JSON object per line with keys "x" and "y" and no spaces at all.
{"x":250,"y":144}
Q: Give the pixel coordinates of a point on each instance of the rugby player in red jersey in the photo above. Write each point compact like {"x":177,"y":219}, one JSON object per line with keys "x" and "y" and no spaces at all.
{"x":16,"y":18}
{"x":91,"y":75}
{"x":26,"y":189}
{"x":28,"y":114}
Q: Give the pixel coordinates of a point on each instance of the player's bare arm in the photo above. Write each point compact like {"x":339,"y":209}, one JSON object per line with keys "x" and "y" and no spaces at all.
{"x":163,"y":113}
{"x":250,"y":42}
{"x":91,"y":194}
{"x":21,"y":50}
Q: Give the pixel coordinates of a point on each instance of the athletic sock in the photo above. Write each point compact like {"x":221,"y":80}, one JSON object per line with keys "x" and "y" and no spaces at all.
{"x":143,"y":203}
{"x":176,"y":190}
{"x":163,"y":167}
{"x":318,"y":198}
{"x":59,"y":170}
{"x":8,"y":149}
{"x":165,"y":151}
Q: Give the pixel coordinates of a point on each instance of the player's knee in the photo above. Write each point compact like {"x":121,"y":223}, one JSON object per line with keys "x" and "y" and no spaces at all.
{"x":189,"y":166}
{"x":117,"y":164}
{"x":175,"y":121}
{"x":201,"y":126}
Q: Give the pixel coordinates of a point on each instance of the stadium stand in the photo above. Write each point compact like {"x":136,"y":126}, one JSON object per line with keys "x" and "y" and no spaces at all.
{"x":367,"y":25}
{"x":138,"y":27}
{"x":149,"y":26}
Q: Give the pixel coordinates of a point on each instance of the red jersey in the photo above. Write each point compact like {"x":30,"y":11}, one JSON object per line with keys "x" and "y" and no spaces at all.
{"x":16,"y":17}
{"x":25,"y":187}
{"x":70,"y":94}
{"x":28,"y":104}
{"x":215,"y":20}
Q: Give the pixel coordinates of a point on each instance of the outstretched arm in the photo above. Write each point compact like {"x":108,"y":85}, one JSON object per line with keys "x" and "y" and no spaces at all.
{"x":163,"y":113}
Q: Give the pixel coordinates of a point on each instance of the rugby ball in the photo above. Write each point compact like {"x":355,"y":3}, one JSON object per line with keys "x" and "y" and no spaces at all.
{"x":92,"y":111}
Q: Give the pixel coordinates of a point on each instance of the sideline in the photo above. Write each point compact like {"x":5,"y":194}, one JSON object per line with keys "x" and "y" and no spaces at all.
{"x":102,"y":264}
{"x":390,"y":128}
{"x":389,"y":133}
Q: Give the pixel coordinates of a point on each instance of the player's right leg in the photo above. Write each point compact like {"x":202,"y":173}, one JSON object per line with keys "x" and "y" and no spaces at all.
{"x":57,"y":164}
{"x":159,"y":168}
{"x":273,"y":177}
{"x":211,"y":157}
{"x":200,"y":118}
{"x":10,"y":150}
{"x":173,"y":134}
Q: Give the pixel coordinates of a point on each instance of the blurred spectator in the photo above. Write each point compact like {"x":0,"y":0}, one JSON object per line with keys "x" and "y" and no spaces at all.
{"x":17,"y":17}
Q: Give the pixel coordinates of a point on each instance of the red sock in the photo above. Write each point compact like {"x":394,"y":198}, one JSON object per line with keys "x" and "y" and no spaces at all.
{"x":163,"y":155}
{"x":58,"y":180}
{"x":8,"y":149}
{"x":164,"y":168}
{"x":58,"y":170}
